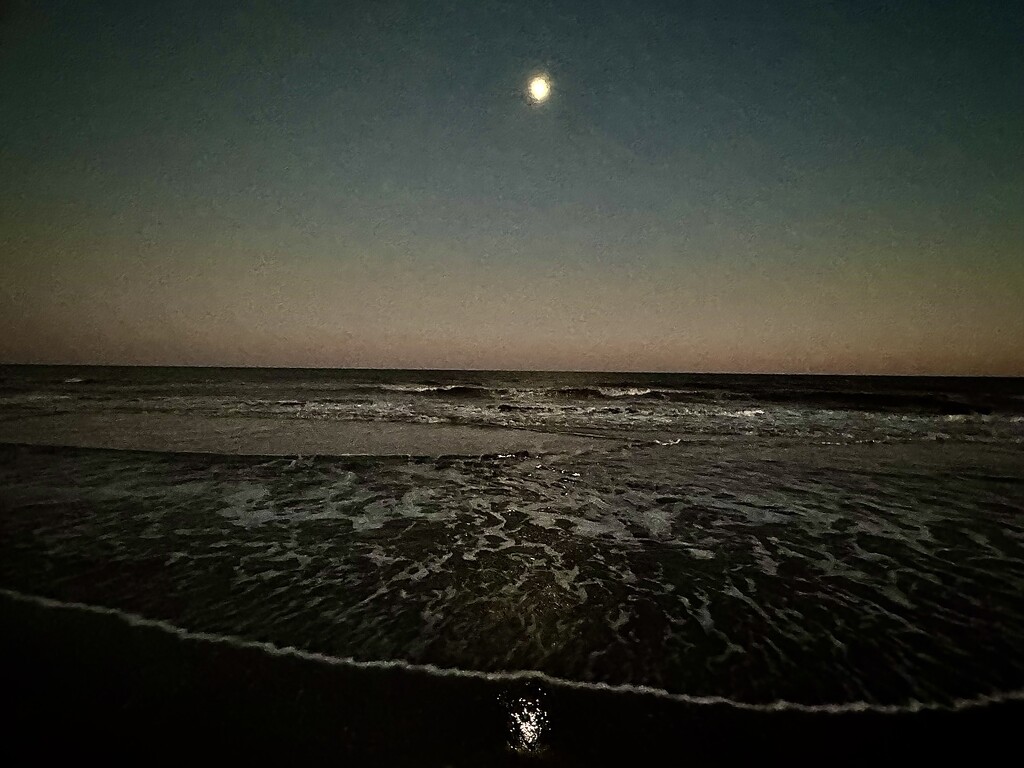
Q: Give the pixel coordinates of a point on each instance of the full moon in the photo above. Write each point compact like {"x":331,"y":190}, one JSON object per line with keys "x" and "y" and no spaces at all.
{"x":540,"y":89}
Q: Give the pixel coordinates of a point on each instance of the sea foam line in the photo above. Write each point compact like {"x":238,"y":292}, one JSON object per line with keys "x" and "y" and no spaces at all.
{"x":137,"y":620}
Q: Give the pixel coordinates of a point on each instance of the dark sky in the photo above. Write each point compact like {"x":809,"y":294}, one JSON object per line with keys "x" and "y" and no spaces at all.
{"x":748,"y":186}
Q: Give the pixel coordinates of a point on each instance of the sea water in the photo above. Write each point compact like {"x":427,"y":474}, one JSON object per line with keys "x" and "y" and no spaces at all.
{"x":763,"y":541}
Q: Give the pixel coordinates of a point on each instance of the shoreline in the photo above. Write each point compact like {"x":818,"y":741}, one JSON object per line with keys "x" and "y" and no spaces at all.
{"x":83,"y":681}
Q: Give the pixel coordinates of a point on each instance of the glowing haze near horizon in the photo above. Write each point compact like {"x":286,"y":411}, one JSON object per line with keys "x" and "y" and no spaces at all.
{"x":819,"y":186}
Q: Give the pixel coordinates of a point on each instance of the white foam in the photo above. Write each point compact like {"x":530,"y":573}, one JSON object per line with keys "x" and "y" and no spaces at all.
{"x":744,"y":413}
{"x":136,"y":620}
{"x":624,"y":391}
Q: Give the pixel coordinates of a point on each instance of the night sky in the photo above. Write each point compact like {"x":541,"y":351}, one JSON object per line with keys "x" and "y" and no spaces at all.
{"x":711,"y":186}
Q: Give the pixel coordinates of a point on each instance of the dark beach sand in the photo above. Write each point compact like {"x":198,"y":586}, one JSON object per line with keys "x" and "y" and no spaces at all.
{"x":80,"y":684}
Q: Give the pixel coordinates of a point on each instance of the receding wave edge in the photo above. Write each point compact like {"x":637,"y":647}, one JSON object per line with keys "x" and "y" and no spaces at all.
{"x":137,"y":620}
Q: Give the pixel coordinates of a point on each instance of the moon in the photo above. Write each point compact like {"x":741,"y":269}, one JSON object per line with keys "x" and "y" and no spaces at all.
{"x":540,"y":89}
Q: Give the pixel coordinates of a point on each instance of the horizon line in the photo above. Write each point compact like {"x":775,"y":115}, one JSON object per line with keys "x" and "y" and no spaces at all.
{"x":519,"y":370}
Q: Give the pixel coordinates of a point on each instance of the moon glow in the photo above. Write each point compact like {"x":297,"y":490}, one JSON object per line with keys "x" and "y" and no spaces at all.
{"x":540,"y":89}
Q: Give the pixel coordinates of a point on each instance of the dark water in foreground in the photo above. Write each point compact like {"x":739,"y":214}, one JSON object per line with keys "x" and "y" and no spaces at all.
{"x":813,"y":545}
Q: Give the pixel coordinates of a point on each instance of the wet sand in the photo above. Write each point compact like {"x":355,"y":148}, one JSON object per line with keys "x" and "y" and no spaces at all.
{"x":81,"y":684}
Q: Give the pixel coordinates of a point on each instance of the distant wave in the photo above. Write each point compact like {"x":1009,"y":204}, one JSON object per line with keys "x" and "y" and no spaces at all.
{"x":737,"y":393}
{"x":567,"y":393}
{"x":625,"y":391}
{"x":867,"y":401}
{"x":445,"y":390}
{"x":746,"y":402}
{"x":593,"y":393}
{"x":575,"y":393}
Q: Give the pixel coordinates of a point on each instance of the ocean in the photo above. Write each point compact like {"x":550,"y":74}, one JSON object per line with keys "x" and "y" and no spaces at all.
{"x":450,"y":567}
